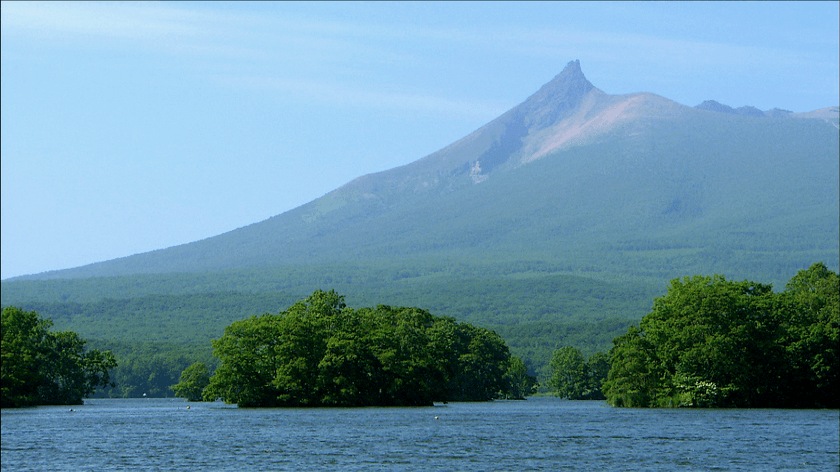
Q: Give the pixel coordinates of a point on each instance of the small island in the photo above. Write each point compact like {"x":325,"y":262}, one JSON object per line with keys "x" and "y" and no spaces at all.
{"x":319,"y":352}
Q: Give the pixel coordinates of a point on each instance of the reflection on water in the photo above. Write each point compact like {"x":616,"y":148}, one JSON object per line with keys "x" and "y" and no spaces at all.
{"x":537,"y":434}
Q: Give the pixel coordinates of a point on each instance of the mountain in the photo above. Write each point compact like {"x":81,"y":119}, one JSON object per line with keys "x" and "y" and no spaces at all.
{"x":829,"y":114}
{"x":712,"y":105}
{"x":575,"y":205}
{"x":570,"y":165}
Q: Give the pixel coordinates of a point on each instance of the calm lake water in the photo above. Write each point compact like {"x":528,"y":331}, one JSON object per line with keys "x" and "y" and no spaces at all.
{"x":537,"y":434}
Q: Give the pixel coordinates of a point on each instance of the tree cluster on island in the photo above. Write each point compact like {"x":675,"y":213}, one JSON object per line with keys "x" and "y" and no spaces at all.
{"x":319,"y":352}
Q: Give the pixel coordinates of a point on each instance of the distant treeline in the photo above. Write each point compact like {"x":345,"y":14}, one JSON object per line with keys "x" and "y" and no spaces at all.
{"x":150,"y":369}
{"x":504,"y":294}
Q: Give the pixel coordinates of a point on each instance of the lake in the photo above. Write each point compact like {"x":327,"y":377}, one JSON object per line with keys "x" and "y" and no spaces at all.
{"x":536,"y":434}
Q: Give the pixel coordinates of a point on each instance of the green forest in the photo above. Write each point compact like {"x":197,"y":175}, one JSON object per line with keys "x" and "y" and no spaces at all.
{"x":708,"y":342}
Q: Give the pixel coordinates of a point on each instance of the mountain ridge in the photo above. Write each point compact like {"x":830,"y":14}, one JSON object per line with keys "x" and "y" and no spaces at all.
{"x":827,"y":113}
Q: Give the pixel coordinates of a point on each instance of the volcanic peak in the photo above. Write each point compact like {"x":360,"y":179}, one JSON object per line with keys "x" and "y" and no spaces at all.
{"x":555,"y":100}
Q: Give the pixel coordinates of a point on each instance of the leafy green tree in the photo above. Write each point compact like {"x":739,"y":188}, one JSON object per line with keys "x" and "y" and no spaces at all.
{"x":575,"y":378}
{"x":305,"y":327}
{"x":569,"y":378}
{"x":194,"y":379}
{"x":635,"y":373}
{"x":521,"y":383}
{"x":411,"y":373}
{"x":810,"y":315}
{"x":44,"y":368}
{"x":251,"y":357}
{"x":350,"y":371}
{"x":597,"y":369}
{"x":24,"y":335}
{"x":482,"y":365}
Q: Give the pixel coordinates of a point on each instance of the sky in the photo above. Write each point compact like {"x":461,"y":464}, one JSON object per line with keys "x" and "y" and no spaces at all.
{"x":130,"y":127}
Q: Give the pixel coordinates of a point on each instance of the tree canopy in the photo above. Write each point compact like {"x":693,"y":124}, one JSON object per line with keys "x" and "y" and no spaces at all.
{"x":45,"y":368}
{"x":319,"y":352}
{"x":194,"y":379}
{"x":576,"y":378}
{"x":713,"y":342}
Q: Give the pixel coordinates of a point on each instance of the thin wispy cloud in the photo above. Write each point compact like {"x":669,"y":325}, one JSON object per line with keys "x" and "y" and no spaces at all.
{"x":343,"y":95}
{"x":94,"y":21}
{"x":292,"y":57}
{"x":296,"y":53}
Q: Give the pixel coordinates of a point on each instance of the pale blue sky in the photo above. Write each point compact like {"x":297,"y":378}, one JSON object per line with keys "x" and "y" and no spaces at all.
{"x":129,"y":127}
